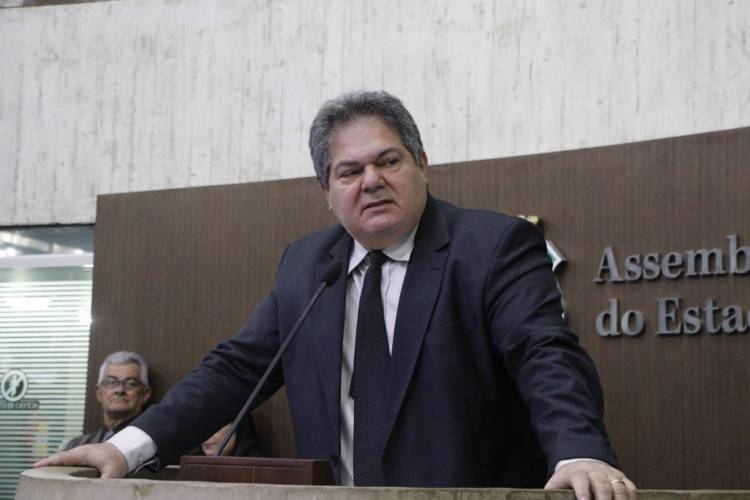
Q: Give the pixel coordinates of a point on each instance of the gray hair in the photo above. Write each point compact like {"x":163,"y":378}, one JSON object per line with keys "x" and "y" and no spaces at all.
{"x":346,"y":108}
{"x":123,"y":358}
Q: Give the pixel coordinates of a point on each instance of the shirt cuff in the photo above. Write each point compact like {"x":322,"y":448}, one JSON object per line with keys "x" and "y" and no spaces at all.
{"x":571,"y":460}
{"x":136,"y":445}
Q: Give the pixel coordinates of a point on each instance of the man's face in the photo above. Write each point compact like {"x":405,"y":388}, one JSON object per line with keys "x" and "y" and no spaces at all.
{"x":121,"y":400}
{"x":376,"y":189}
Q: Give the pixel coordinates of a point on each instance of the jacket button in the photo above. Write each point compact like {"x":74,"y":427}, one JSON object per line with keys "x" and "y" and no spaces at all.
{"x":334,"y":459}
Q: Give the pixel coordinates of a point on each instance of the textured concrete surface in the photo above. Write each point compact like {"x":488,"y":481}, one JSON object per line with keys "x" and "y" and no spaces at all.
{"x":62,"y":483}
{"x":148,"y":94}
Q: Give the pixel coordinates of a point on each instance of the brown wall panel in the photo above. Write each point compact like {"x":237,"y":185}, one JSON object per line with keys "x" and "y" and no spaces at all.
{"x":176,"y":271}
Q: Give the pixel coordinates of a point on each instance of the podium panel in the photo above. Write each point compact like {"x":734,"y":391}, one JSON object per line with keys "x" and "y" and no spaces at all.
{"x":256,"y":470}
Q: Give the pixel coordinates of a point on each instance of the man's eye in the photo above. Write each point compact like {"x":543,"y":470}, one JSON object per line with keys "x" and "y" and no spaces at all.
{"x":391,"y":161}
{"x":348,"y":173}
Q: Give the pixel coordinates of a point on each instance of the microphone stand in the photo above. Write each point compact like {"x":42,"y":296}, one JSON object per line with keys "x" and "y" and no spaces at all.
{"x":331,"y":275}
{"x":264,"y":470}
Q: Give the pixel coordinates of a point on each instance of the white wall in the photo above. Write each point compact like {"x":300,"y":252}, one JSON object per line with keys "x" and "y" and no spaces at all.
{"x":149,"y":94}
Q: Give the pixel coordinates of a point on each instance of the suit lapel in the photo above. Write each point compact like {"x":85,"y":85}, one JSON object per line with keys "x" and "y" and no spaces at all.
{"x":416,"y":303}
{"x":328,"y":330}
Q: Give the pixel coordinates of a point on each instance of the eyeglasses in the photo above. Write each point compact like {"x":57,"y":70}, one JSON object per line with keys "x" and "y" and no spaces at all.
{"x":129,"y":384}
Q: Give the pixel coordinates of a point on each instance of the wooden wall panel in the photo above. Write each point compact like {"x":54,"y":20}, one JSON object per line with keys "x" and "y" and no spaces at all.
{"x":176,"y":271}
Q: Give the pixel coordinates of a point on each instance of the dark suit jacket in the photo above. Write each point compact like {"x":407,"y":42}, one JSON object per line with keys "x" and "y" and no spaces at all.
{"x":487,"y":387}
{"x":98,"y":436}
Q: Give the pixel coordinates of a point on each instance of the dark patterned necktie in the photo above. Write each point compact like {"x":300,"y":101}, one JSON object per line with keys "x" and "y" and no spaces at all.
{"x":370,"y":378}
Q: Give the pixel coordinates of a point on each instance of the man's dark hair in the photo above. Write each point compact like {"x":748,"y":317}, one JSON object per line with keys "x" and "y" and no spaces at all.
{"x":347,"y":107}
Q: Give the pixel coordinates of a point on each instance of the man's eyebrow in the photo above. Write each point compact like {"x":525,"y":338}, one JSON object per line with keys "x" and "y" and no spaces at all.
{"x":389,"y":151}
{"x":355,"y":163}
{"x":346,"y":163}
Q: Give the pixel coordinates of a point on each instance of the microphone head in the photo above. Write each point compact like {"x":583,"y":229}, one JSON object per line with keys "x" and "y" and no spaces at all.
{"x":333,"y":271}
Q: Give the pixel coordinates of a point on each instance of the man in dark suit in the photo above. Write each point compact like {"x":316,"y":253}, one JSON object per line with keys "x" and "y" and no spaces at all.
{"x":441,"y":359}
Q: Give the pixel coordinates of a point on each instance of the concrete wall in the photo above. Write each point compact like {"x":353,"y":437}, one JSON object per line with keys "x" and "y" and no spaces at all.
{"x":150,"y":94}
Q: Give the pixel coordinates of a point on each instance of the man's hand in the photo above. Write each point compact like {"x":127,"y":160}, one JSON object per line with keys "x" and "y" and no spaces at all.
{"x":592,"y":480}
{"x":104,"y":457}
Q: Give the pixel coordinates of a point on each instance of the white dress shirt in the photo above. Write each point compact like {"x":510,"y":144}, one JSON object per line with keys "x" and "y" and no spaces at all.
{"x":393,"y":273}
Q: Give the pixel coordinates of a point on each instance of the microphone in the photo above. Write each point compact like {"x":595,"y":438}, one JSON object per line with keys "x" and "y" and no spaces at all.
{"x":331,"y":275}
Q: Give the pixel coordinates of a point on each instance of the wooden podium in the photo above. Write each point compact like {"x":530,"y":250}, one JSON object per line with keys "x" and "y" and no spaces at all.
{"x":256,"y":470}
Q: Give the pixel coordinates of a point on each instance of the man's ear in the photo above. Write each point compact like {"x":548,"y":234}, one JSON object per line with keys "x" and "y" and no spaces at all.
{"x":146,"y":394}
{"x":423,"y":166}
{"x":324,"y":192}
{"x":423,"y":160}
{"x":99,"y":394}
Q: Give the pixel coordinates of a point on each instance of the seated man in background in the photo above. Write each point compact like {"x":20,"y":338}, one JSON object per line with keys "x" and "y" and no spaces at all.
{"x":122,"y":390}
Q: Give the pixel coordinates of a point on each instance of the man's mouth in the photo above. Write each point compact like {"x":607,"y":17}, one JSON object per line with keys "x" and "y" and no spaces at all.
{"x":376,"y":204}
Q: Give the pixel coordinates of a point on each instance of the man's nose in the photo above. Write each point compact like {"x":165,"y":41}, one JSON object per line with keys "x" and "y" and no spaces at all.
{"x":372,"y":178}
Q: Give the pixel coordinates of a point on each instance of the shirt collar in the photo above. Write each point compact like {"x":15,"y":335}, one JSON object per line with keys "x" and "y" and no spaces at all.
{"x":401,"y":251}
